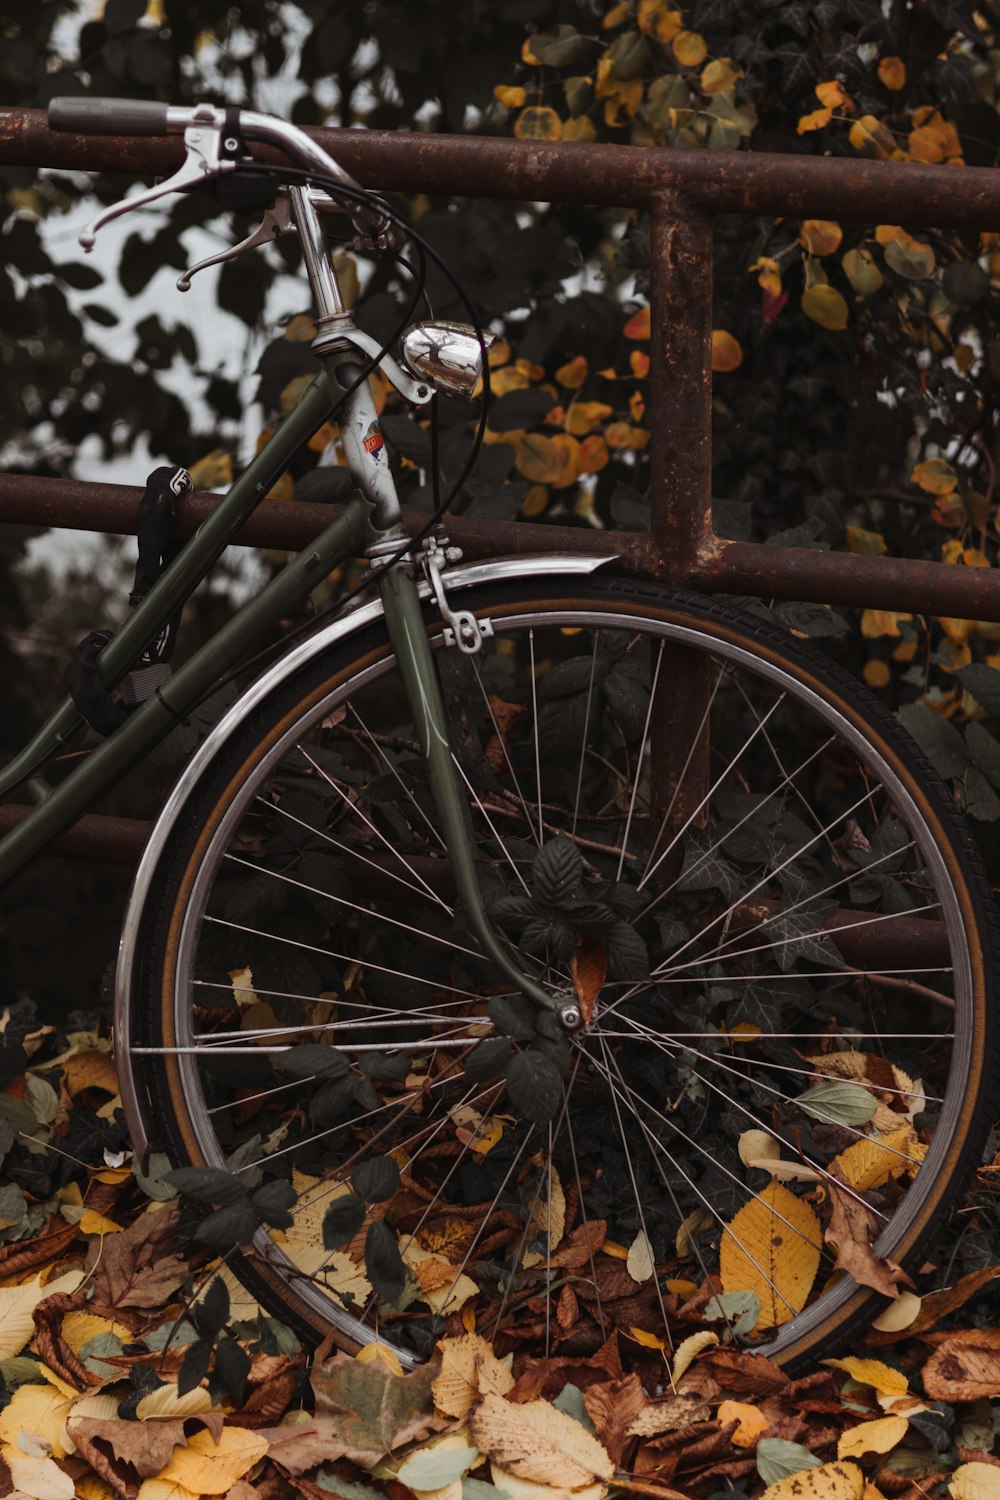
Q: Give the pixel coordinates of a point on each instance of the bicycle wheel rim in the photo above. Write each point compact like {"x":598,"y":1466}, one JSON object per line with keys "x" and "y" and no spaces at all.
{"x":765,"y":656}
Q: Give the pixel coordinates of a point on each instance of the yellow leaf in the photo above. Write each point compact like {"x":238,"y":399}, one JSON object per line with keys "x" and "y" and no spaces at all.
{"x":839,"y":1481}
{"x":935,"y":140}
{"x":880,"y":1436}
{"x":548,"y":460}
{"x":831,"y":93}
{"x":861,"y":541}
{"x":690,"y":49}
{"x":876,"y":622}
{"x":935,"y":475}
{"x":876,"y":673}
{"x":617,"y":14}
{"x":638,"y":363}
{"x":17,"y":1303}
{"x":726,"y":351}
{"x":165,"y":1403}
{"x":594,"y":455}
{"x":624,"y":435}
{"x":573,"y":373}
{"x":862,"y":272}
{"x":441,"y":1286}
{"x":869,"y":136}
{"x":973,"y":558}
{"x":892,"y":73}
{"x":377,"y":1353}
{"x":816,"y":120}
{"x":583,"y":415}
{"x":975,"y":1482}
{"x":91,"y":1223}
{"x":688,"y":1350}
{"x":581,"y":128}
{"x":207,"y":1467}
{"x":720,"y":75}
{"x":216,"y":468}
{"x":510,"y":98}
{"x":825,"y":306}
{"x":79,"y":1327}
{"x":537,"y":123}
{"x":681,"y":1287}
{"x":753,"y":1423}
{"x":535,"y":500}
{"x":469,"y":1369}
{"x":92,"y":1069}
{"x":645,"y":1338}
{"x":899,"y":1314}
{"x":772,"y":1247}
{"x":869,"y":1163}
{"x":637,"y":326}
{"x":821,"y":236}
{"x":874,"y":1372}
{"x":162,"y":1489}
{"x":39,"y":1412}
{"x":536,"y":1441}
{"x":909,"y":257}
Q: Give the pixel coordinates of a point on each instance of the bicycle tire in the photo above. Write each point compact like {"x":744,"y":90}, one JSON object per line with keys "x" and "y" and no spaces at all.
{"x":766,"y":687}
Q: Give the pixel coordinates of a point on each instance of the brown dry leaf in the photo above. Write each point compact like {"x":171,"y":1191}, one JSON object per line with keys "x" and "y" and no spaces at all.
{"x":538,"y":1442}
{"x":964,"y":1366}
{"x":362,"y":1413}
{"x":17,"y":1306}
{"x":90,"y":1069}
{"x":726,"y":352}
{"x":589,"y":964}
{"x":751,"y":1424}
{"x":613,"y":1407}
{"x":882,"y":1377}
{"x":567,"y":1308}
{"x":207,"y":1467}
{"x":581,"y":1245}
{"x":839,"y":1481}
{"x":880,"y":1436}
{"x":851,"y":1230}
{"x":469,"y":1369}
{"x":783,"y":1239}
{"x":147,"y":1446}
{"x":672,"y":1414}
{"x":935,"y":1305}
{"x":749,"y":1374}
{"x":135,"y":1268}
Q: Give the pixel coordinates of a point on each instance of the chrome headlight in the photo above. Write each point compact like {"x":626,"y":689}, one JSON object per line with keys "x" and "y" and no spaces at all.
{"x":447,"y":356}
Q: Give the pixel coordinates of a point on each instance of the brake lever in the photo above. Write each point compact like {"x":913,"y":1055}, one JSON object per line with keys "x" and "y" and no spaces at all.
{"x":202,"y":162}
{"x":276,"y":221}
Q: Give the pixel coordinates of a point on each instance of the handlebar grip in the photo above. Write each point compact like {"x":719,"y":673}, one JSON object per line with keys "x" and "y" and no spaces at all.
{"x":108,"y":116}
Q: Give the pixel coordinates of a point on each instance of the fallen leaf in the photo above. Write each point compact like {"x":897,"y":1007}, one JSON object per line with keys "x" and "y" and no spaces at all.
{"x":964,"y":1366}
{"x":469,"y":1369}
{"x":880,"y":1436}
{"x":589,"y":964}
{"x":688,"y":1351}
{"x":772,"y":1247}
{"x":756,"y":1146}
{"x":851,"y":1229}
{"x":900,"y":1314}
{"x":17,"y":1306}
{"x":975,"y":1481}
{"x":838,"y":1481}
{"x":362,"y":1413}
{"x":872,"y":1372}
{"x":135,"y":1268}
{"x":639,"y":1261}
{"x":147,"y":1446}
{"x":537,"y":1441}
{"x":38,"y":1411}
{"x":207,"y":1467}
{"x":668,"y":1415}
{"x":751,"y":1422}
{"x":39,"y":1478}
{"x":613,"y":1406}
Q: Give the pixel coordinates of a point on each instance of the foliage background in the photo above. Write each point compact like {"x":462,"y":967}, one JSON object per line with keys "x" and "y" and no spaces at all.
{"x":855,"y":398}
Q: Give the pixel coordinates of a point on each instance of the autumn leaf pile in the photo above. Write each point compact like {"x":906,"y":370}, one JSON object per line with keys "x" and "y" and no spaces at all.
{"x":132,"y":1369}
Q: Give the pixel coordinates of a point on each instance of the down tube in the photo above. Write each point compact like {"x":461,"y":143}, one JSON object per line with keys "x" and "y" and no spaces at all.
{"x":344,"y":537}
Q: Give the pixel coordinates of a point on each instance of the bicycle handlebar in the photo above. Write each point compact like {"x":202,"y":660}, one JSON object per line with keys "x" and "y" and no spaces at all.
{"x":108,"y":116}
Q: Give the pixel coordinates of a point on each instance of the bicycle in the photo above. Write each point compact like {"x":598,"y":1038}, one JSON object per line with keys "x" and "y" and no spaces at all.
{"x":511,"y":1028}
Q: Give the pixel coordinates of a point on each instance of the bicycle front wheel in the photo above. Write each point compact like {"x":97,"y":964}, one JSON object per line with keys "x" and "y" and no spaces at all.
{"x":725,"y":849}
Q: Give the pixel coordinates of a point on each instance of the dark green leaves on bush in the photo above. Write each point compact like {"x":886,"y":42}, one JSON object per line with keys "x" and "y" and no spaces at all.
{"x":557,"y":871}
{"x":534,"y":1086}
{"x":383,"y":1263}
{"x":342,"y":1221}
{"x":375,"y":1180}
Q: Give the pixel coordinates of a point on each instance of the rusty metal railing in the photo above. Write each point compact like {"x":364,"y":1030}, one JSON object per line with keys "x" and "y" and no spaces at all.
{"x":683,"y":191}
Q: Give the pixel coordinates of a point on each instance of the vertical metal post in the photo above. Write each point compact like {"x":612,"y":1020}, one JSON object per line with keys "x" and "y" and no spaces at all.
{"x":680,"y":496}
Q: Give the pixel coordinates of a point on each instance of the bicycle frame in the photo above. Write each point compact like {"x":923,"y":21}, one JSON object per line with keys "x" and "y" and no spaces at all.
{"x":371,"y":522}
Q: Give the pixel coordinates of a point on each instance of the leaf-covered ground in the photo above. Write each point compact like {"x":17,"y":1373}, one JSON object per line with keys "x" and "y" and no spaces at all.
{"x":130,"y":1367}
